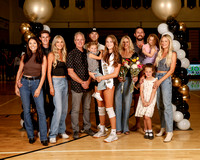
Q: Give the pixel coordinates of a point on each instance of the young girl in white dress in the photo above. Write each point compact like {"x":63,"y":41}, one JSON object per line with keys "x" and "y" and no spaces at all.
{"x":147,"y":100}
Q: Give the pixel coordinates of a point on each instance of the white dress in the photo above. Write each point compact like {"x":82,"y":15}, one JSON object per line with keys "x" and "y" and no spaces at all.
{"x":147,"y":89}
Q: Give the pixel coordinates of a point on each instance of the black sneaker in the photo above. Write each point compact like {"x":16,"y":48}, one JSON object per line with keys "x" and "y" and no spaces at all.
{"x":89,"y":132}
{"x":151,"y":135}
{"x":75,"y":135}
{"x":146,"y":135}
{"x":44,"y":143}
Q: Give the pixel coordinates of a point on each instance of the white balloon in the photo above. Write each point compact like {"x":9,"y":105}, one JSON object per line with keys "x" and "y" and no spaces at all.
{"x":184,"y":124}
{"x":46,"y":28}
{"x":180,"y":54}
{"x":174,"y":108}
{"x":162,"y":28}
{"x":178,"y":116}
{"x":185,"y":63}
{"x":176,"y":45}
{"x":170,"y":34}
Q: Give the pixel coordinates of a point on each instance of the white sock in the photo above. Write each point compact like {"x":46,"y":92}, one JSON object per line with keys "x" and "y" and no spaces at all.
{"x":102,"y":127}
{"x":150,"y":130}
{"x":113,"y":131}
{"x":145,"y":130}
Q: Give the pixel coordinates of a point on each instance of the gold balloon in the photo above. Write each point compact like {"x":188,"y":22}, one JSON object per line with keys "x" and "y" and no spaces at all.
{"x":176,"y":82}
{"x":165,"y":8}
{"x":182,"y":26}
{"x":186,"y":98}
{"x":38,"y":10}
{"x":24,"y":27}
{"x":184,"y":90}
{"x":27,"y":35}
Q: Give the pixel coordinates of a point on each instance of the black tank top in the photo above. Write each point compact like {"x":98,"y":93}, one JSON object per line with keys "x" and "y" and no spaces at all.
{"x":60,"y":69}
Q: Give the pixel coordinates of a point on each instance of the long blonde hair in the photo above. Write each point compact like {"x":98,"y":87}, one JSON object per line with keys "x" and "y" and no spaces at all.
{"x":170,"y":51}
{"x":55,"y":50}
{"x":131,"y":47}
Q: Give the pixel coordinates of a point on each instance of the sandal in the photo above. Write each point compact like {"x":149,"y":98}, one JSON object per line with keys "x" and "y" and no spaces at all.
{"x":127,"y":133}
{"x":119,"y":132}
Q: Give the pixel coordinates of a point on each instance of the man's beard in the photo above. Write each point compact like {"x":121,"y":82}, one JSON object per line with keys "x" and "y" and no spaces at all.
{"x":140,"y":39}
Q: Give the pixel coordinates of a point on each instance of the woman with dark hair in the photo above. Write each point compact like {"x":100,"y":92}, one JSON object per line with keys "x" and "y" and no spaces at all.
{"x":110,"y":67}
{"x":33,"y":70}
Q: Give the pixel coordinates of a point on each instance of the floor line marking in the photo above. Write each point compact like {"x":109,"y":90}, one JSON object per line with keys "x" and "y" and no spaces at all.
{"x":195,"y":94}
{"x":116,"y":150}
{"x":9,"y":101}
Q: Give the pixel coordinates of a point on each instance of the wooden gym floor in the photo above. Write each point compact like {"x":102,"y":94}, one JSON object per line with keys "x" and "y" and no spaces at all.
{"x":185,"y":145}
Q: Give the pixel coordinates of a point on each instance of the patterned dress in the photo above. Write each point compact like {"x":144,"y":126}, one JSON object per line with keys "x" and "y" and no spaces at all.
{"x":147,"y":90}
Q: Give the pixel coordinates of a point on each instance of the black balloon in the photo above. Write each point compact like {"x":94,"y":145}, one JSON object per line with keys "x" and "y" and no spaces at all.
{"x":186,"y":115}
{"x":178,"y":63}
{"x":170,"y":20}
{"x":180,"y":36}
{"x":183,"y":107}
{"x":184,"y":45}
{"x":180,"y":72}
{"x":184,"y":80}
{"x":174,"y":26}
{"x":177,"y":98}
{"x":36,"y":27}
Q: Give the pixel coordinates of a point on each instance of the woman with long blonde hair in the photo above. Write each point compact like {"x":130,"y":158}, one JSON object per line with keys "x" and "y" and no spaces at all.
{"x":123,"y":100}
{"x":165,"y":63}
{"x":57,"y":77}
{"x":110,"y":67}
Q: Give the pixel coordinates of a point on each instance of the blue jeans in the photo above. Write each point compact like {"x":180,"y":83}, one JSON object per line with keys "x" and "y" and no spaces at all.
{"x":28,"y":88}
{"x":122,"y":105}
{"x":164,"y":103}
{"x":60,"y":100}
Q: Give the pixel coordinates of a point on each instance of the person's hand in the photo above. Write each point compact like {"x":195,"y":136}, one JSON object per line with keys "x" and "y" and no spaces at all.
{"x":85,"y":85}
{"x":134,"y":79}
{"x":92,"y":75}
{"x":37,"y":93}
{"x":120,"y":79}
{"x":19,"y":84}
{"x":17,"y":91}
{"x":52,"y":91}
{"x":156,"y":84}
{"x":99,"y":79}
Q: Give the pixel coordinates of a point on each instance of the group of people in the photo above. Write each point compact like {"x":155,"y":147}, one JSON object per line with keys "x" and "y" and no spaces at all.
{"x":95,"y":66}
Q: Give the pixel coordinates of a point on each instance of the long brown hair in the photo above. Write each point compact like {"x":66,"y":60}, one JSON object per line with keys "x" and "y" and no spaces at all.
{"x":106,"y":55}
{"x":39,"y":53}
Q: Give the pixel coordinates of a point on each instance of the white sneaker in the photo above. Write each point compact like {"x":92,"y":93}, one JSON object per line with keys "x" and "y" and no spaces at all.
{"x":52,"y":140}
{"x":94,"y":94}
{"x":169,"y":136}
{"x":64,"y":136}
{"x":162,"y":131}
{"x":99,"y":134}
{"x":111,"y":138}
{"x":98,"y":127}
{"x":97,"y":96}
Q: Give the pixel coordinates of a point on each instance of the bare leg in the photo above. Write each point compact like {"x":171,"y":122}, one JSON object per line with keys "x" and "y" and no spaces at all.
{"x":108,"y":98}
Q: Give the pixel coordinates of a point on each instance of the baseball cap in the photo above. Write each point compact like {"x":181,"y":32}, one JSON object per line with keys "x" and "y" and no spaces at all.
{"x":94,"y":29}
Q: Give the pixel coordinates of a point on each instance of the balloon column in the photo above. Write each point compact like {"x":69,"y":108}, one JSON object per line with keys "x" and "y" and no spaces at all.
{"x":180,"y":93}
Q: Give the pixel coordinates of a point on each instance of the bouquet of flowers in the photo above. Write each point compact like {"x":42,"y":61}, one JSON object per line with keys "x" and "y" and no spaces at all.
{"x":123,"y":71}
{"x":135,"y":68}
